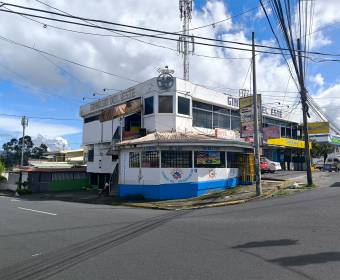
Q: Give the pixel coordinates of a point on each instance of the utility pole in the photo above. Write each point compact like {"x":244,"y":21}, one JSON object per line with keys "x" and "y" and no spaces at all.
{"x":256,"y":124}
{"x":303,"y":94}
{"x":185,"y":8}
{"x":24,"y":123}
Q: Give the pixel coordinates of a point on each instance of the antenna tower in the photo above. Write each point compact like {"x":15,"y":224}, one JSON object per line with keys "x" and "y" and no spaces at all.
{"x":185,"y":8}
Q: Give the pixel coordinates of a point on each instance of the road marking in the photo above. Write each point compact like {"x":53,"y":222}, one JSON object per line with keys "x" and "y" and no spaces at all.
{"x":37,"y":211}
{"x":14,"y":199}
{"x":35,"y":255}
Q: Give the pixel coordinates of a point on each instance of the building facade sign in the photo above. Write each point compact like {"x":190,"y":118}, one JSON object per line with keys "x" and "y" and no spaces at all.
{"x":271,"y":132}
{"x":287,"y":142}
{"x":111,"y":100}
{"x":318,"y":127}
{"x":120,"y":110}
{"x":226,"y":134}
{"x":335,"y":139}
{"x":272,"y":112}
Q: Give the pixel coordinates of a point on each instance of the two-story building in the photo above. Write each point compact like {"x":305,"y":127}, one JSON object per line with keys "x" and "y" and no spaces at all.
{"x":167,"y":138}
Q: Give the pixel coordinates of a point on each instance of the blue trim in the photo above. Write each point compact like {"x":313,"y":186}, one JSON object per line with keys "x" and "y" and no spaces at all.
{"x":176,"y":191}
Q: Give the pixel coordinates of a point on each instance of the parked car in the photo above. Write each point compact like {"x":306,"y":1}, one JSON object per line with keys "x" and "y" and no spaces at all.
{"x":318,"y":164}
{"x":264,"y":166}
{"x":272,"y":165}
{"x":332,"y":164}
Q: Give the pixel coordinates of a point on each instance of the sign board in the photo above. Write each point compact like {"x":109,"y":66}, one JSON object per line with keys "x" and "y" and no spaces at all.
{"x":271,"y":132}
{"x":318,"y":127}
{"x":335,"y":139}
{"x":287,"y":142}
{"x":226,"y":134}
{"x":120,"y":110}
{"x":274,"y":112}
{"x":247,"y":115}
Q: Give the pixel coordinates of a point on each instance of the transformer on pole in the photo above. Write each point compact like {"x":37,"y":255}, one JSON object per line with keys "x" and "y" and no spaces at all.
{"x":186,"y":43}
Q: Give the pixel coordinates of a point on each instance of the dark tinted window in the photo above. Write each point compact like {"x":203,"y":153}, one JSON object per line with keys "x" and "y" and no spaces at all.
{"x":201,"y":105}
{"x":91,"y":119}
{"x":148,"y":106}
{"x":202,"y":118}
{"x":176,"y":159}
{"x":90,"y":156}
{"x":165,"y":104}
{"x":183,"y":106}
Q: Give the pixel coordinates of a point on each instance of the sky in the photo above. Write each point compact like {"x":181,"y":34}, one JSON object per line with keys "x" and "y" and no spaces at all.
{"x":50,"y":91}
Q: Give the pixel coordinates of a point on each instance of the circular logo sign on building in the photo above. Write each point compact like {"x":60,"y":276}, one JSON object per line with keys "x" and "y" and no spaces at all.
{"x":165,"y":80}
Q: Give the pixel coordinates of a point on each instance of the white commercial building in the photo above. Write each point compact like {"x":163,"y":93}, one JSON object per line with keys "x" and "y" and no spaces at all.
{"x":165,"y":138}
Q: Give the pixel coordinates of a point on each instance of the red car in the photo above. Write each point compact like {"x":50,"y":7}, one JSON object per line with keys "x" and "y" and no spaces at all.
{"x":264,"y":166}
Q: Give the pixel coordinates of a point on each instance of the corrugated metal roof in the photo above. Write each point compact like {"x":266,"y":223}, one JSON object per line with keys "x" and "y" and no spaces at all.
{"x":181,"y":137}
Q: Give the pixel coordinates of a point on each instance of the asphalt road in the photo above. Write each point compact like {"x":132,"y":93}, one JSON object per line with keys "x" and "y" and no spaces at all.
{"x":294,"y":237}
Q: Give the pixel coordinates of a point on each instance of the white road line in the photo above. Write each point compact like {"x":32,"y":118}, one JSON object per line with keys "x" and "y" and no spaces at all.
{"x":14,"y":199}
{"x":37,"y":211}
{"x":35,"y":255}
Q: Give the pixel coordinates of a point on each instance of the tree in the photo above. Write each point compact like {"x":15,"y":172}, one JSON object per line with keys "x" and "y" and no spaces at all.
{"x":321,"y":150}
{"x":38,"y":152}
{"x":13,"y":150}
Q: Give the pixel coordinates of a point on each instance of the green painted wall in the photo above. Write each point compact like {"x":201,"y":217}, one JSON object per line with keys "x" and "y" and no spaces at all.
{"x":68,"y":185}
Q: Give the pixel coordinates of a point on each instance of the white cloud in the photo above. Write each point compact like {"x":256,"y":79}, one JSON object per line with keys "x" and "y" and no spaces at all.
{"x":55,"y":144}
{"x":133,"y":59}
{"x":318,"y":80}
{"x":13,"y":126}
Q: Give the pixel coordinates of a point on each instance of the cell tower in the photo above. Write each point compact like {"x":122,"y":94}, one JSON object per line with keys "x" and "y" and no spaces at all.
{"x":185,"y":42}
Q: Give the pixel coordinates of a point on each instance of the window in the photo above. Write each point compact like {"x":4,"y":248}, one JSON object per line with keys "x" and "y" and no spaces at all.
{"x":232,"y":160}
{"x":176,"y":159}
{"x":183,"y":106}
{"x":134,"y":161}
{"x":210,"y":116}
{"x":206,"y":159}
{"x":150,"y":159}
{"x":90,"y":156}
{"x":201,"y":118}
{"x":165,"y":104}
{"x":148,"y":106}
{"x":221,"y":121}
{"x":91,"y":119}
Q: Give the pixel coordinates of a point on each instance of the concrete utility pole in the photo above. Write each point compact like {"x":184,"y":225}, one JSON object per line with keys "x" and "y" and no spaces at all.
{"x":24,"y":123}
{"x":256,"y":124}
{"x":303,"y":94}
{"x":185,"y":8}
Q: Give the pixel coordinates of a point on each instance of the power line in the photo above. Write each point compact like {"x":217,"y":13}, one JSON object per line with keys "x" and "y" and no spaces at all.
{"x":144,"y":29}
{"x":40,"y":118}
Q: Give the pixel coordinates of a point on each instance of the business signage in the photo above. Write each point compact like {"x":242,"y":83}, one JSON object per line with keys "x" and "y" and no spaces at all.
{"x":121,"y":110}
{"x":226,"y":134}
{"x":232,"y":101}
{"x":247,"y":115}
{"x":271,"y":132}
{"x":287,"y":142}
{"x":274,"y":112}
{"x":335,"y":139}
{"x":318,"y":127}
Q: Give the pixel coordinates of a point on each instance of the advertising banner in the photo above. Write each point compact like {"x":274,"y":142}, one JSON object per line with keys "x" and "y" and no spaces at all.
{"x":121,"y":110}
{"x":247,"y":115}
{"x":318,"y":127}
{"x":287,"y":142}
{"x":271,"y":132}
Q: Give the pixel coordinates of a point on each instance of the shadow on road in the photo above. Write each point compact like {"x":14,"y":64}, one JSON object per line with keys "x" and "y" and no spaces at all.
{"x":335,"y":185}
{"x":267,"y":243}
{"x":300,"y":260}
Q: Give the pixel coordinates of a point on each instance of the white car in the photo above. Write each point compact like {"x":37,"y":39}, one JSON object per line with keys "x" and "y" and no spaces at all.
{"x":273,"y":165}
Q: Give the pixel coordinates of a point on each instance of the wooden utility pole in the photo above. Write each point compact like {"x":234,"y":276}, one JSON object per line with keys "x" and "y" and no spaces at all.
{"x":303,"y":94}
{"x":256,"y":124}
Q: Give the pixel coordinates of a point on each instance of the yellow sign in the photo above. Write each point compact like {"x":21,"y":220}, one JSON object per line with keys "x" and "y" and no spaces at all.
{"x":287,"y":142}
{"x":248,"y":101}
{"x":318,"y":128}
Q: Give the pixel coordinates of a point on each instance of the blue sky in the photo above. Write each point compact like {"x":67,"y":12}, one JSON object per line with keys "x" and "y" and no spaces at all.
{"x":51,"y":92}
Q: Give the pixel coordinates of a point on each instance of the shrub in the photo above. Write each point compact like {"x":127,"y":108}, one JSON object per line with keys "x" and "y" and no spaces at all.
{"x":24,"y":191}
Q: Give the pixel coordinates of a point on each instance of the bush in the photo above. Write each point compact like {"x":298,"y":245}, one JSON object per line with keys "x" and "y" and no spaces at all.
{"x":2,"y":179}
{"x":24,"y":191}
